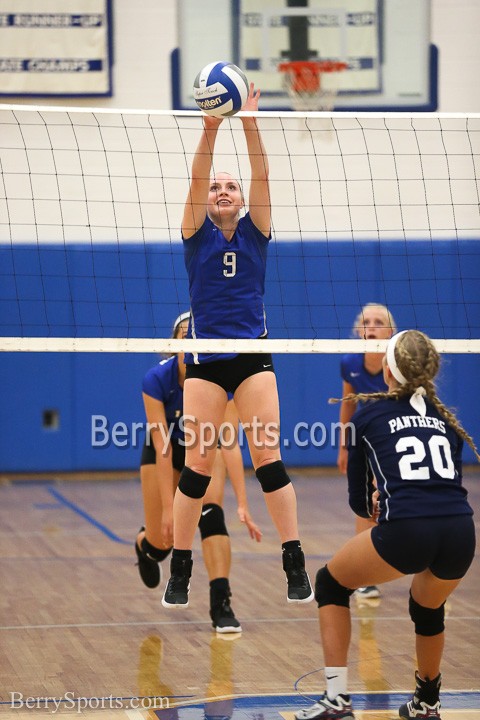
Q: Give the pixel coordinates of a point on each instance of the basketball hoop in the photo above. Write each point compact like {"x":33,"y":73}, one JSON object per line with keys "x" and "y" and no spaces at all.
{"x":304,"y":84}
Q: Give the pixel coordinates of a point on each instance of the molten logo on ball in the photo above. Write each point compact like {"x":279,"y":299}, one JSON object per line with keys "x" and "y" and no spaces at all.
{"x":220,"y":89}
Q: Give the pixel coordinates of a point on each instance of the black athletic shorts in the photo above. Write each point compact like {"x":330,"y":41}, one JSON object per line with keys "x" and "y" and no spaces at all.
{"x":149,"y":455}
{"x":445,"y":545}
{"x":229,"y":374}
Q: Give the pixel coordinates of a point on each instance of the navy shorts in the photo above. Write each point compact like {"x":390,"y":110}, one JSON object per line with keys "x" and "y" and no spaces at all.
{"x":229,"y":374}
{"x":445,"y":545}
{"x":149,"y":454}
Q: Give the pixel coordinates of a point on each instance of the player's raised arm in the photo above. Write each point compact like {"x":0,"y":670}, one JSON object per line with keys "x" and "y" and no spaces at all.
{"x":259,"y":199}
{"x":196,"y":204}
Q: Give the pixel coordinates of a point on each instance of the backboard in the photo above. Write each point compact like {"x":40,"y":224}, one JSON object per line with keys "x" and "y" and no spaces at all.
{"x":392,"y":65}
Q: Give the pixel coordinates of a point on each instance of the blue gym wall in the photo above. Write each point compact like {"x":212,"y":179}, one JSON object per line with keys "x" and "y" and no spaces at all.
{"x":314,"y":289}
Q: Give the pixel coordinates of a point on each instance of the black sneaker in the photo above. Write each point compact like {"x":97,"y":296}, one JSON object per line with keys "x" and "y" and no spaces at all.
{"x":148,"y":567}
{"x":176,"y":592}
{"x":425,"y":703}
{"x":325,"y":709}
{"x":299,"y":588}
{"x":223,"y":617}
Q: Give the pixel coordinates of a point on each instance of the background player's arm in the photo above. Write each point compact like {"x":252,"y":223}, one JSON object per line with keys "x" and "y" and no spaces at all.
{"x":347,"y":410}
{"x":155,"y":414}
{"x":232,"y":457}
{"x":259,"y":196}
{"x":196,"y":204}
{"x":361,"y":486}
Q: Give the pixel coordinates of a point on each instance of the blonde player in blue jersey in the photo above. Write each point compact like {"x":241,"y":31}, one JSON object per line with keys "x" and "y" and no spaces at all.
{"x":363,"y":373}
{"x":413,"y":445}
{"x":225,"y":257}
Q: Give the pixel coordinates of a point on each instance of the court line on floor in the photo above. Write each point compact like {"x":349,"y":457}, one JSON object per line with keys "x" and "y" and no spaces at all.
{"x":192,"y":621}
{"x":86,"y":516}
{"x":364,"y":700}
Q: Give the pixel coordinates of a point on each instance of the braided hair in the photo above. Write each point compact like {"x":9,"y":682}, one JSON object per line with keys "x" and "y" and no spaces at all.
{"x":418,"y":361}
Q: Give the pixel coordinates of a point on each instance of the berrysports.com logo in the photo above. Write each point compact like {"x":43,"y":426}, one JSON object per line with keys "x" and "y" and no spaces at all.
{"x":104,"y":433}
{"x":70,"y":701}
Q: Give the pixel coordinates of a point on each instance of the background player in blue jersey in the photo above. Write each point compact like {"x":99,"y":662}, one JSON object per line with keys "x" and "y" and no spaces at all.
{"x":363,"y":373}
{"x":163,"y":458}
{"x":225,"y":257}
{"x":412,"y":445}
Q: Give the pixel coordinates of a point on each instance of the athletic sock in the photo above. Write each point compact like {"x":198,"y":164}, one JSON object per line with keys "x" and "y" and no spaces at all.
{"x":336,"y":679}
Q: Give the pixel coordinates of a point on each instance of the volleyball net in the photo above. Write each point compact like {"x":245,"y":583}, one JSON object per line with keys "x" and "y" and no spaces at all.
{"x":365,"y":208}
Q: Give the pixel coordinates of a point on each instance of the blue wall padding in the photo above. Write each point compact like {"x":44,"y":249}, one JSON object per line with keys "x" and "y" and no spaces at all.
{"x":314,"y":289}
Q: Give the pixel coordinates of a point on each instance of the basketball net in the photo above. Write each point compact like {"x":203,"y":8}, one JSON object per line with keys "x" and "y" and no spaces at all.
{"x":304,"y":83}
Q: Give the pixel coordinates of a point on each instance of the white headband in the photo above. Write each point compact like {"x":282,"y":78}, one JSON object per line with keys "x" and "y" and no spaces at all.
{"x":180,"y":319}
{"x":417,"y":399}
{"x":391,"y":362}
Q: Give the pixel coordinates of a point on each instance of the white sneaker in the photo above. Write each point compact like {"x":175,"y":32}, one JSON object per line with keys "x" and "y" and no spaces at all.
{"x":326,"y":709}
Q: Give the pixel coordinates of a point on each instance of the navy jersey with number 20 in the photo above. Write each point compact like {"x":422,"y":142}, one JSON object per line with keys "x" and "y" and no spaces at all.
{"x":227,"y":285}
{"x":415,"y":458}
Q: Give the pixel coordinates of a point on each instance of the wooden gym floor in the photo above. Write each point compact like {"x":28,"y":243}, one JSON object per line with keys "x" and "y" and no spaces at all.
{"x":81,"y":636}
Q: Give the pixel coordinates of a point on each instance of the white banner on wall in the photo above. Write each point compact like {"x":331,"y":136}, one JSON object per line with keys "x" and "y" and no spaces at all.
{"x":53,"y":47}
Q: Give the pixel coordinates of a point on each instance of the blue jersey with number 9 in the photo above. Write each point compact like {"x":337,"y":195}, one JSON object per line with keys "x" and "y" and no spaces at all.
{"x":227,"y":285}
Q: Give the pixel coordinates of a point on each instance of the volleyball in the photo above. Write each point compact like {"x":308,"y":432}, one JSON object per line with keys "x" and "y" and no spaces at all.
{"x":220,"y":89}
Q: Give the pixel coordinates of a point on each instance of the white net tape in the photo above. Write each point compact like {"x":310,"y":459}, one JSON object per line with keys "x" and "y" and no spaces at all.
{"x":165,"y":345}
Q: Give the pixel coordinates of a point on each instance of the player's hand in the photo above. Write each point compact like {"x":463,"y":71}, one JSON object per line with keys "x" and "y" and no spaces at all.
{"x":210,"y":122}
{"x":375,"y":505}
{"x":166,"y":528}
{"x":253,"y":529}
{"x":251,"y":103}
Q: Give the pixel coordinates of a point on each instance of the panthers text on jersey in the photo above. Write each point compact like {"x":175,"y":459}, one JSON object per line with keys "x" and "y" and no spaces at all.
{"x":415,"y":458}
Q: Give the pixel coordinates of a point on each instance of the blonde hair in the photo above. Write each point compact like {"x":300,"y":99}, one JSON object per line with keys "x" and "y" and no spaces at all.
{"x":418,"y":360}
{"x":359,"y":320}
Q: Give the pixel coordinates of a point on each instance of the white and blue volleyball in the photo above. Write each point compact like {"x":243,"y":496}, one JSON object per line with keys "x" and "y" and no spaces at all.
{"x":220,"y":89}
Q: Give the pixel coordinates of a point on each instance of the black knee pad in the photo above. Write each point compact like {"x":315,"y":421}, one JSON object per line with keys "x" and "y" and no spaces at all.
{"x":329,"y":592}
{"x":427,"y":621}
{"x":192,"y":484}
{"x":153,"y":552}
{"x":212,"y":521}
{"x":272,"y":476}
